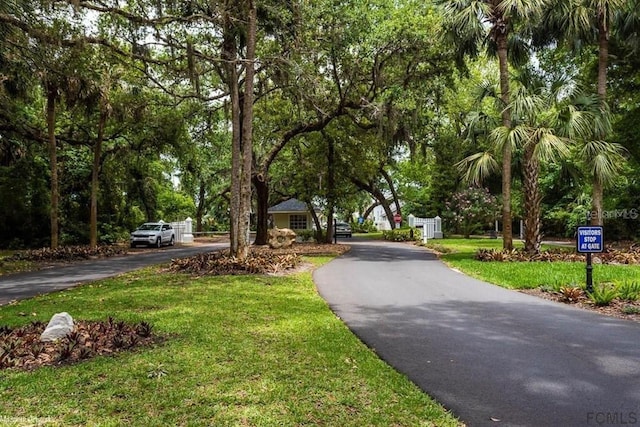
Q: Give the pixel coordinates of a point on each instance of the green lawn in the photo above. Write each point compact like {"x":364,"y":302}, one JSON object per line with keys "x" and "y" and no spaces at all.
{"x":522,"y":275}
{"x":242,"y":350}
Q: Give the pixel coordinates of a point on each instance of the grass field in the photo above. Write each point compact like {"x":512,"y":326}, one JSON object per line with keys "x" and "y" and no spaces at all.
{"x":524,"y":275}
{"x":242,"y":350}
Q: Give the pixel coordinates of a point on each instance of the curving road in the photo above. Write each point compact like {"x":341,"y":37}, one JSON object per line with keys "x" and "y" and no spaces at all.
{"x":495,"y":357}
{"x":25,"y":285}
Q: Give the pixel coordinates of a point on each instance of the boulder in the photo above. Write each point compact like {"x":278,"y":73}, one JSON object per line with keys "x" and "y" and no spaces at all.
{"x":281,"y":238}
{"x":60,"y":325}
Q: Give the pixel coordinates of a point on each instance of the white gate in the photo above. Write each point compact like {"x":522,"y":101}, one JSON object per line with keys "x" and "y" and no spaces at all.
{"x":431,"y":227}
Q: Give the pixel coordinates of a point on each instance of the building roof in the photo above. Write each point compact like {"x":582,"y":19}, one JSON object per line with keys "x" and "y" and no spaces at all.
{"x":291,"y":205}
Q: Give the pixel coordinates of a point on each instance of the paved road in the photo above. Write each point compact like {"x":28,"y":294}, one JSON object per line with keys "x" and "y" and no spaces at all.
{"x":26,"y":285}
{"x":494,"y":357}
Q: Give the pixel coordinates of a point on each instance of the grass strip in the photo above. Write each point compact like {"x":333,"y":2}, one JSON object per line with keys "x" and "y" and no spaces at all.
{"x":527,"y":275}
{"x":243,"y":350}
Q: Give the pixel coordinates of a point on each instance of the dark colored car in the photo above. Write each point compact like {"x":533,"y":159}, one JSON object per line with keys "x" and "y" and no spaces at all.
{"x":153,"y":234}
{"x":343,"y":229}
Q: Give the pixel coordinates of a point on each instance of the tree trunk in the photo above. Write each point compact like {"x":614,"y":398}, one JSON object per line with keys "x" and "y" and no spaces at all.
{"x":202,"y":194}
{"x":507,"y":233}
{"x":241,"y":116}
{"x":532,"y":200}
{"x":316,"y":221}
{"x":331,"y":186}
{"x":247,"y":134}
{"x":603,"y":60}
{"x":597,"y":195}
{"x":262,"y":212}
{"x":95,"y":174}
{"x":53,"y":161}
{"x":392,"y":188}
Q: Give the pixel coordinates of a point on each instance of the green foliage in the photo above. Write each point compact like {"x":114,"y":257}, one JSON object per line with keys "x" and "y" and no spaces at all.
{"x":631,"y":309}
{"x":306,"y":235}
{"x":400,"y":235}
{"x":603,"y":294}
{"x":368,"y":226}
{"x":629,"y":290}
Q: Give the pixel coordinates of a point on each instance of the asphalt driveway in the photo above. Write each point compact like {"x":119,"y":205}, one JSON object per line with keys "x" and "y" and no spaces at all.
{"x":25,"y":285}
{"x":495,"y":357}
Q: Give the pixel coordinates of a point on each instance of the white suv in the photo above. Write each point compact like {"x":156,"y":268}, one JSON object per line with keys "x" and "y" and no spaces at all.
{"x":153,"y":234}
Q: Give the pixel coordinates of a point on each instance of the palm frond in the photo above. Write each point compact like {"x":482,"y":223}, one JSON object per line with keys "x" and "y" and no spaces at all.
{"x":549,"y":146}
{"x":604,"y":159}
{"x":476,"y":167}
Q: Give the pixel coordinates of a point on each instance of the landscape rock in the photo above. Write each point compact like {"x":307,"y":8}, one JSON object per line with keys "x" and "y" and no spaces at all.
{"x":281,"y":238}
{"x":60,"y":325}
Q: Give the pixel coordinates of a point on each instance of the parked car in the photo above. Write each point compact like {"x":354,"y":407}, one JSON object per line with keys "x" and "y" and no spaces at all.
{"x":153,"y":234}
{"x":343,"y":229}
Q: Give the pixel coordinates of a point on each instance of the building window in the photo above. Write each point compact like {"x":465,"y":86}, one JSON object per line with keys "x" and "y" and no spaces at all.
{"x":298,"y":222}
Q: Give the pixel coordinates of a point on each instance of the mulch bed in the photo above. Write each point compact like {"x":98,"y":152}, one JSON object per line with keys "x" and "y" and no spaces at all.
{"x":616,"y":308}
{"x":21,"y":348}
{"x":261,"y":260}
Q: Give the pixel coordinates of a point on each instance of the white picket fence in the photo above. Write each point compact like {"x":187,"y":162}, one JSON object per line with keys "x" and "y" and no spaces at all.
{"x":431,"y":227}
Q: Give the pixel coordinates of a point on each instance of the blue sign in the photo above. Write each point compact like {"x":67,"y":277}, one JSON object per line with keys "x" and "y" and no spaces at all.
{"x":590,"y":239}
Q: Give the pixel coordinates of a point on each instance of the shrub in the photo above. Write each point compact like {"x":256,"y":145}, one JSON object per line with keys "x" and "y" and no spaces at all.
{"x":306,"y":235}
{"x":366,"y":227}
{"x":571,"y":294}
{"x":399,"y":235}
{"x":629,"y":291}
{"x":471,"y":210}
{"x":603,"y":294}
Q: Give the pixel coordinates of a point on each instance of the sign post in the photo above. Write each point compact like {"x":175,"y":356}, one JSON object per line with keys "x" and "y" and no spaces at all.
{"x":397,"y":218}
{"x":590,"y":240}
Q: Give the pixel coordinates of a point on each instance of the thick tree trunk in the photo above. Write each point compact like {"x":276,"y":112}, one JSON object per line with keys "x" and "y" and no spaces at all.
{"x":532,"y":201}
{"x":262,"y":216}
{"x":242,"y":130}
{"x":53,"y":162}
{"x":247,"y":134}
{"x":507,"y":232}
{"x":95,"y":175}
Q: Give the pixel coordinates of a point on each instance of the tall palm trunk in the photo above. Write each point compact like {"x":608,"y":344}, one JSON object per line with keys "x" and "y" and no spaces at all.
{"x":603,"y":60}
{"x":53,"y":162}
{"x":532,"y":200}
{"x":507,"y":232}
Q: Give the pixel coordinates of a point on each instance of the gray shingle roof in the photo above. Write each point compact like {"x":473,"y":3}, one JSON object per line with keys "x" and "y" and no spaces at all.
{"x":291,"y":205}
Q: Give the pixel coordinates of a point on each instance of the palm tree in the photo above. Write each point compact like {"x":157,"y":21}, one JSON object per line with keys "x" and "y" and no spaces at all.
{"x":545,"y":127}
{"x":583,"y":22}
{"x":492,"y":23}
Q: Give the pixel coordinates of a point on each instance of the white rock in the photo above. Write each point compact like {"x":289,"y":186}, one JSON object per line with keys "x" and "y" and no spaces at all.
{"x":60,"y":325}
